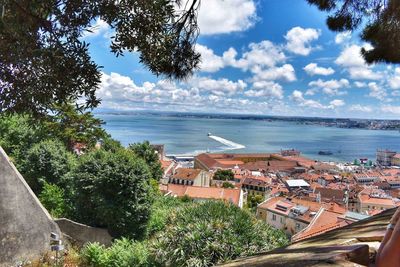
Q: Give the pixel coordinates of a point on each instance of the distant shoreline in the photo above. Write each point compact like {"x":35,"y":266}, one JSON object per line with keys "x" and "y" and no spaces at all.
{"x":349,"y":123}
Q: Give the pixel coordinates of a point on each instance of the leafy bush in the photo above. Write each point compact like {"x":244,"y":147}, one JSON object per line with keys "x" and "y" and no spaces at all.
{"x":48,"y":161}
{"x":113,"y":190}
{"x":18,"y":134}
{"x":123,"y":252}
{"x":227,"y":185}
{"x":224,"y":175}
{"x":160,"y":212}
{"x":52,"y":198}
{"x":213,"y":232}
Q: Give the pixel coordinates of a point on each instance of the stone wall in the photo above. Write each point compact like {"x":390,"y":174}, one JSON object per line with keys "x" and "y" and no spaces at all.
{"x":80,"y":234}
{"x":25,"y":225}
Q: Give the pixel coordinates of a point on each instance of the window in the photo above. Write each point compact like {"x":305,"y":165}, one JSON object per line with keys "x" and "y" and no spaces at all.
{"x":282,"y":220}
{"x":273,"y":217}
{"x":297,"y":226}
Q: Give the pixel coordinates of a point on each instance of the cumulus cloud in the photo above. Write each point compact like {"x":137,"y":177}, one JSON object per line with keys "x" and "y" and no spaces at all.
{"x":360,"y":108}
{"x":377,"y":91}
{"x":342,"y":37}
{"x":336,"y":103}
{"x":391,"y":109}
{"x":394,"y":80}
{"x":313,"y":69}
{"x":351,"y":59}
{"x":285,"y":72}
{"x":262,"y":54}
{"x":265,"y":89}
{"x":360,"y":84}
{"x":221,"y":16}
{"x":297,"y":96}
{"x":219,"y":87}
{"x":299,"y":40}
{"x":209,"y":61}
{"x":331,"y":87}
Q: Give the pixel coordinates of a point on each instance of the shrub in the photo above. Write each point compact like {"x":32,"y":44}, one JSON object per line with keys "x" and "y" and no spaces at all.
{"x":224,"y":175}
{"x":122,"y":253}
{"x":52,"y":198}
{"x":213,"y":232}
{"x":227,"y":185}
{"x":48,"y":161}
{"x":160,"y":212}
{"x":113,"y":190}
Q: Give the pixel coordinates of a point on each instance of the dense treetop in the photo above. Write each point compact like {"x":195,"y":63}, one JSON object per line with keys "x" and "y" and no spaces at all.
{"x":44,"y":60}
{"x":380,"y":20}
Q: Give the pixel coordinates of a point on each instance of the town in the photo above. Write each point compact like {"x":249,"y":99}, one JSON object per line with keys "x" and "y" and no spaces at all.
{"x":298,"y":195}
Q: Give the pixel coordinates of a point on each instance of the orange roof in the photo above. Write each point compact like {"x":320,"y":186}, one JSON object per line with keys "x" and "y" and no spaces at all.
{"x":229,"y":194}
{"x":366,"y":199}
{"x":165,"y":163}
{"x":186,"y":173}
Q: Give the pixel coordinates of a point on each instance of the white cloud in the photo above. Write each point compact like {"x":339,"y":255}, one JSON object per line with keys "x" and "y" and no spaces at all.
{"x":342,"y":37}
{"x":265,"y":88}
{"x":311,"y":91}
{"x":391,"y":109}
{"x":263,"y":54}
{"x":351,"y":59}
{"x":361,"y":108}
{"x":330,"y":87}
{"x":313,"y":69}
{"x":209,"y":61}
{"x":299,"y":39}
{"x":297,"y":96}
{"x":376,"y":91}
{"x":286,"y":72}
{"x":100,"y":27}
{"x":336,"y":103}
{"x":360,"y":84}
{"x":222,"y":16}
{"x":394,"y":81}
{"x":218,"y":87}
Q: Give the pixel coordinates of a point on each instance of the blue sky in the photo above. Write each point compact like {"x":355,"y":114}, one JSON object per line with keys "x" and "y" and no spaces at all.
{"x":274,"y":57}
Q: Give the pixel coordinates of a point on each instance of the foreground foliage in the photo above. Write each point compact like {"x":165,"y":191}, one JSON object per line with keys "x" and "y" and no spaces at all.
{"x":213,"y":232}
{"x":123,"y":252}
{"x":190,"y":234}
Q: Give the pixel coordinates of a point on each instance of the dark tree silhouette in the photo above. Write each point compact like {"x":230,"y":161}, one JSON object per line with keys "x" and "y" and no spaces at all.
{"x":380,"y":20}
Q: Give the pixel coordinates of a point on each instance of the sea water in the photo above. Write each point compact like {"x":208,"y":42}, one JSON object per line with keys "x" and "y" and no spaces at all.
{"x":193,"y":135}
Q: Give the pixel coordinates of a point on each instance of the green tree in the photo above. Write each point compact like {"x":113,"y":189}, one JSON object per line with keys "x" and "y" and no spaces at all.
{"x":224,"y":175}
{"x":113,"y":190}
{"x":45,"y":60}
{"x":52,"y":198}
{"x":254,"y":200}
{"x":149,"y":154}
{"x":17,"y":134}
{"x":73,"y":125}
{"x":380,"y":21}
{"x":227,"y":185}
{"x":209,"y":233}
{"x":47,"y":161}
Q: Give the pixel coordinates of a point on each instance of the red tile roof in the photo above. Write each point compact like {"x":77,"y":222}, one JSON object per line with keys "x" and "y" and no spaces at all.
{"x":196,"y":192}
{"x":186,"y":173}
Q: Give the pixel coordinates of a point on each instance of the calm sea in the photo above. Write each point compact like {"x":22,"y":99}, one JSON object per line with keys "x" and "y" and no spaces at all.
{"x":182,"y":135}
